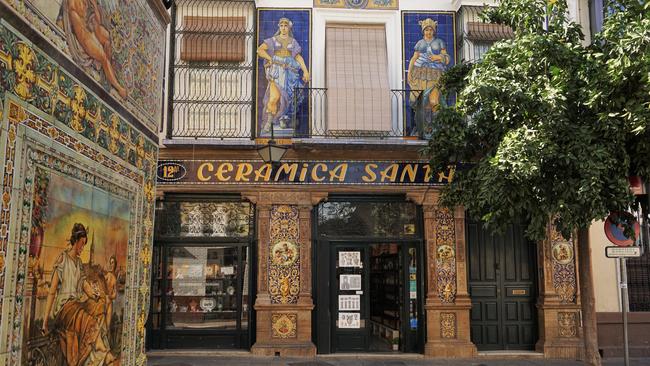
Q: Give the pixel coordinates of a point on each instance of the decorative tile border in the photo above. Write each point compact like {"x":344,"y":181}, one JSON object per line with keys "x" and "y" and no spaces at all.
{"x":30,"y":74}
{"x":28,"y":140}
{"x":284,"y":255}
{"x":564,"y":268}
{"x":445,"y":255}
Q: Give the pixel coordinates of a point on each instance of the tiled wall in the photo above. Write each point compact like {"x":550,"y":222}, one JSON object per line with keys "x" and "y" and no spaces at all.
{"x":131,"y":37}
{"x":69,"y":157}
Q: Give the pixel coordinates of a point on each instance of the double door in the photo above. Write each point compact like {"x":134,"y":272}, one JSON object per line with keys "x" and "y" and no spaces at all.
{"x":503,"y":289}
{"x":373,"y":302}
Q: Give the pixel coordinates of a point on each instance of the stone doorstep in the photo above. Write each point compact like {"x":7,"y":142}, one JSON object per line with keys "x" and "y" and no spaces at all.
{"x":509,"y":355}
{"x":199,"y":353}
{"x":247,"y":354}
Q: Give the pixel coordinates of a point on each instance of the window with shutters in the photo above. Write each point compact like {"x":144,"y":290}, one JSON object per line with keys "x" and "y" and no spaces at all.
{"x":356,"y":69}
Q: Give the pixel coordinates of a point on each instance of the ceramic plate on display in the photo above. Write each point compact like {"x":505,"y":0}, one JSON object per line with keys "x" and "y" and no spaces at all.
{"x":230,"y":290}
{"x":208,"y":304}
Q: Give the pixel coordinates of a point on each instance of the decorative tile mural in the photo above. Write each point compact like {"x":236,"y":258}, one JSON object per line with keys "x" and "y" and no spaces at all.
{"x":564,"y":268}
{"x":77,"y":202}
{"x":445,"y":255}
{"x":29,"y":73}
{"x":429,"y":43}
{"x":283,"y":64}
{"x":567,"y":324}
{"x":284,"y":255}
{"x":119,"y":43}
{"x":358,"y":4}
{"x":284,"y":325}
{"x":448,"y":325}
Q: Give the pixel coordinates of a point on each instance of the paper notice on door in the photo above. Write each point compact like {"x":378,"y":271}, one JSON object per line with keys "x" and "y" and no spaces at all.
{"x":350,"y":282}
{"x":349,"y":320}
{"x":350,"y":259}
{"x":349,"y":302}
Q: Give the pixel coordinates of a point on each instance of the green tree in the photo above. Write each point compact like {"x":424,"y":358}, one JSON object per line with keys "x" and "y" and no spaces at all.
{"x":551,"y":127}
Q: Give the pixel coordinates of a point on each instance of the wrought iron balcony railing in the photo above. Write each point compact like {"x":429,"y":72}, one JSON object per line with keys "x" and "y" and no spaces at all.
{"x":211,"y":69}
{"x":354,"y":113}
{"x":475,"y":36}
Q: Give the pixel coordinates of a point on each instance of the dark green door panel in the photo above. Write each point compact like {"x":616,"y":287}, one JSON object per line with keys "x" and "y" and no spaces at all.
{"x":503,"y":288}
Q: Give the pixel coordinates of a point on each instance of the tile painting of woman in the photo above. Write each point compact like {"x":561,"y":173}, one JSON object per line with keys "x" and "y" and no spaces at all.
{"x":282,"y":66}
{"x":78,"y":299}
{"x":429,"y":62}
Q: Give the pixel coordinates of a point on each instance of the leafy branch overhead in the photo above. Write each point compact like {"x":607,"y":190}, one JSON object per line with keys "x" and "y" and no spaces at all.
{"x":552,"y":127}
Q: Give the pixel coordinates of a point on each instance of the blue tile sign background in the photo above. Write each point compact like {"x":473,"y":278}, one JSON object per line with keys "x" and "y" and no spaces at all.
{"x":412,"y":33}
{"x":284,"y":123}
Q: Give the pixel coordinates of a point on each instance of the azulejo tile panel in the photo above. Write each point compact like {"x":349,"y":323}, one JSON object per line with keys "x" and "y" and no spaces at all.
{"x":130,"y":63}
{"x":29,"y":73}
{"x":56,"y":137}
{"x":448,"y":325}
{"x":283,"y":68}
{"x":284,"y":325}
{"x":52,"y":190}
{"x":564,"y":268}
{"x":445,"y":253}
{"x":567,"y":324}
{"x":284,"y":255}
{"x":429,"y":43}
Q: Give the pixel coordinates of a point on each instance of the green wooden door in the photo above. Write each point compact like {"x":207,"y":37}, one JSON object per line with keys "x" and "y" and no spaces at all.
{"x":503,"y":289}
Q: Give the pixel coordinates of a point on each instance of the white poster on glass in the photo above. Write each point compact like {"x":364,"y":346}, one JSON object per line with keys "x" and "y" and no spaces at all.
{"x":349,"y":302}
{"x":349,"y":320}
{"x":350,"y":282}
{"x":350,"y":259}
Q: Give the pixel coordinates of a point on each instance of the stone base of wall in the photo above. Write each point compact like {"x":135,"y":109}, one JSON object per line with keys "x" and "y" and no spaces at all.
{"x":563,"y":349}
{"x":284,"y":329}
{"x":450,"y":349}
{"x":610,"y":334}
{"x":285,"y":350}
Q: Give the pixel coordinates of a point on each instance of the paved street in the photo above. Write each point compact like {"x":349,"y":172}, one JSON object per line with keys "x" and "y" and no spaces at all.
{"x":242,"y":359}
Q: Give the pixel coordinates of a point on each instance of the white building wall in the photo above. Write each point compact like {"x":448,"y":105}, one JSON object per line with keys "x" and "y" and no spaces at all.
{"x":605,"y":271}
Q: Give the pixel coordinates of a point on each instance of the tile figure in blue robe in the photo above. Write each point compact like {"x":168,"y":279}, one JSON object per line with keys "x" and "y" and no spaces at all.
{"x":429,"y":62}
{"x":282,"y":67}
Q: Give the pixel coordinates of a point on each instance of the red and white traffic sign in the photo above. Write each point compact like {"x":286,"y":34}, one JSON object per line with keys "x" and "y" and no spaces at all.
{"x":615,"y":228}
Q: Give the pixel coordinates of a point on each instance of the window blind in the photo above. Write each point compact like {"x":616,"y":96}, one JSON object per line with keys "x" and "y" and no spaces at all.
{"x":358,"y":93}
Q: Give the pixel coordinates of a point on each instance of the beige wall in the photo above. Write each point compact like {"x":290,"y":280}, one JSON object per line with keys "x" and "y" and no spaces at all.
{"x":604,"y":270}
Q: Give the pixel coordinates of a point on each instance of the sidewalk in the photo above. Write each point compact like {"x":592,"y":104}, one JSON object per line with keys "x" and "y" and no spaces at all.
{"x":200,"y":358}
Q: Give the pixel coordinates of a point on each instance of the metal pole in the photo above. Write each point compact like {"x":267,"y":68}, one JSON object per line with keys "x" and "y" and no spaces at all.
{"x":625,"y":305}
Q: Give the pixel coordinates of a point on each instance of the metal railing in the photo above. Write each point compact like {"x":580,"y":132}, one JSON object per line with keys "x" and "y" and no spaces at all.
{"x":211,"y":88}
{"x":476,"y":36}
{"x":315,"y":117}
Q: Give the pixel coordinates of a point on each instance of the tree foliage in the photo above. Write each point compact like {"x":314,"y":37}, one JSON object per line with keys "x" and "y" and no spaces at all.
{"x":552,"y":128}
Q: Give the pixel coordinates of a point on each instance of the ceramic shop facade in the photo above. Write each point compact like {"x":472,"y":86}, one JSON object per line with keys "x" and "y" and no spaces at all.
{"x":293,"y":279}
{"x":79,"y":110}
{"x":340,"y":246}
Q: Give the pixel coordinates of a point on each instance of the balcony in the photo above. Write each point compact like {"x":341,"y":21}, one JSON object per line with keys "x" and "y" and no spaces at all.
{"x":319,"y":114}
{"x":352,"y":114}
{"x":475,"y":37}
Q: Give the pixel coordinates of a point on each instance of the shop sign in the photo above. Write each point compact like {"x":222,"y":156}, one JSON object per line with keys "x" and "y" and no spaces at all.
{"x":301,"y":172}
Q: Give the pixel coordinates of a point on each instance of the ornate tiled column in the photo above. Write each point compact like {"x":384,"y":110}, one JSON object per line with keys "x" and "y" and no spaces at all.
{"x":284,"y":302}
{"x":560,"y":333}
{"x":447,"y":303}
